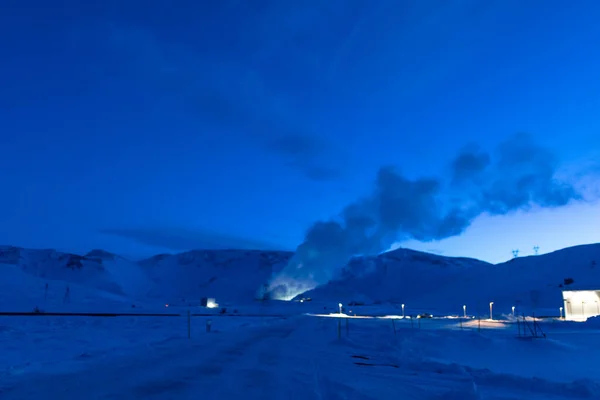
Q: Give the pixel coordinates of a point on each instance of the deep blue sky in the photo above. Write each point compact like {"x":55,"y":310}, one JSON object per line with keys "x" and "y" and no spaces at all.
{"x":240,"y":123}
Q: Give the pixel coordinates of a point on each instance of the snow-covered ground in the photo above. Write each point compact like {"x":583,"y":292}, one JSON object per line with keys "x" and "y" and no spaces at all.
{"x":275,"y":349}
{"x":298,"y":357}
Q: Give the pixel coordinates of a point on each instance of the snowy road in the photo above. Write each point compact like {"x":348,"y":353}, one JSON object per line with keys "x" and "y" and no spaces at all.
{"x":298,"y":358}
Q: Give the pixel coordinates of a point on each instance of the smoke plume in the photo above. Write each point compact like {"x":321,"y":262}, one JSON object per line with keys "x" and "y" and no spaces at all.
{"x":518,"y":175}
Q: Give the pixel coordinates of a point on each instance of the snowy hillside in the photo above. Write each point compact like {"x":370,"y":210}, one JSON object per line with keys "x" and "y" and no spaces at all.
{"x":420,"y":280}
{"x":45,"y":278}
{"x":228,"y":275}
{"x":397,"y":276}
{"x":427,"y":281}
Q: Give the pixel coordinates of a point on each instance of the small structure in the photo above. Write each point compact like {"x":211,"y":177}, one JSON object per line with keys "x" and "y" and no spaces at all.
{"x":581,"y":303}
{"x":208,"y":302}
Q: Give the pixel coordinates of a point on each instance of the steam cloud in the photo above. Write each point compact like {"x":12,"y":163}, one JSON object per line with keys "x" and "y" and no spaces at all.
{"x":518,"y":175}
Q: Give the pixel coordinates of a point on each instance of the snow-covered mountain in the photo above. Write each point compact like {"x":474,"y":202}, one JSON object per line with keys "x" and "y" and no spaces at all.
{"x":45,"y":278}
{"x":421,"y":280}
{"x":397,"y":276}
{"x":228,"y":275}
{"x":445,"y":284}
{"x":39,"y":278}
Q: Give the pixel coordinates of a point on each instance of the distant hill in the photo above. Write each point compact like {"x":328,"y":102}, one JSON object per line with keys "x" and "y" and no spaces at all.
{"x":420,"y":280}
{"x":24,"y":274}
{"x":228,"y":275}
{"x":446,"y":284}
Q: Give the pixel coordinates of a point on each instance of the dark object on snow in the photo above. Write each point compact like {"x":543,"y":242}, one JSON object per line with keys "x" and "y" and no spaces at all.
{"x":425,"y":315}
{"x":363,"y":364}
{"x":223,"y":311}
{"x":568,"y":281}
{"x":75,"y":261}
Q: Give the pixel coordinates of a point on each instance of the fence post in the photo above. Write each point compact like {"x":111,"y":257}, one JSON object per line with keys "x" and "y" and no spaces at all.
{"x":347,"y":327}
{"x":394,"y":325}
{"x":339,"y":328}
{"x":461,"y":324}
{"x":189,"y":324}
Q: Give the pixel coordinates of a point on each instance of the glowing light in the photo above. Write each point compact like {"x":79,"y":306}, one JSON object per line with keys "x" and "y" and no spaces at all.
{"x":287,"y":288}
{"x":485,"y":324}
{"x":336,"y":315}
{"x":402,"y":310}
{"x":465,"y":311}
{"x":210,"y":303}
{"x":166,"y":305}
{"x":340,"y":305}
{"x":513,"y":311}
{"x":491,"y":305}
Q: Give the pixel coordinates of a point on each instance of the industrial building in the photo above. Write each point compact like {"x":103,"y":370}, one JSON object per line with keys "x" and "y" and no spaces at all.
{"x":581,"y":304}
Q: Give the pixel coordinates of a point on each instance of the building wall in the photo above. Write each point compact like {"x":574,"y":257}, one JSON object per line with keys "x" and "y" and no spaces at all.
{"x":581,"y":304}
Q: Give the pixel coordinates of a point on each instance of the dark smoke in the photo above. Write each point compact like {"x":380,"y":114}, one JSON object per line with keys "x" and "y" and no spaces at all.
{"x":518,"y":175}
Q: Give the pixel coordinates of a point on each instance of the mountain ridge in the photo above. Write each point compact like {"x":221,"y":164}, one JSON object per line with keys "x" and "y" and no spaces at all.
{"x":238,"y":275}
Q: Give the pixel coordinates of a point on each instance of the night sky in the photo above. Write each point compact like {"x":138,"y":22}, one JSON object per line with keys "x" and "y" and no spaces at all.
{"x":140,"y":127}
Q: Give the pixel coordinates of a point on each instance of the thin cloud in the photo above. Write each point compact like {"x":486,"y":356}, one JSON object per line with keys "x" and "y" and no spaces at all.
{"x":229,"y":95}
{"x":307,"y":153}
{"x":180,"y":239}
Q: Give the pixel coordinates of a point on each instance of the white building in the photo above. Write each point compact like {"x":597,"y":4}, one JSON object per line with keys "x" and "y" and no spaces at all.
{"x":581,"y":304}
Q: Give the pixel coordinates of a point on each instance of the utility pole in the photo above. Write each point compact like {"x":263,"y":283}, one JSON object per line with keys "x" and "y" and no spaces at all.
{"x":67,"y":298}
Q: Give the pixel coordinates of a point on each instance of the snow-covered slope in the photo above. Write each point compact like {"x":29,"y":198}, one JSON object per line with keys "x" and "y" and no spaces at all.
{"x":419,"y":280}
{"x":397,"y":276}
{"x":227,"y":275}
{"x":129,"y":276}
{"x":21,"y":291}
{"x":29,"y":276}
{"x":432,"y":282}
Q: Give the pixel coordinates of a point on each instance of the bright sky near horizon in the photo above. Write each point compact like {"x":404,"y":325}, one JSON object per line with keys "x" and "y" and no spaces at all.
{"x":140,"y":127}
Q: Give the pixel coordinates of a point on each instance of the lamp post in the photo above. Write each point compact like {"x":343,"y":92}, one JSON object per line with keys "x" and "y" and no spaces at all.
{"x":465,"y":311}
{"x":491,"y":305}
{"x":402,"y":310}
{"x":560,"y":310}
{"x":340,"y":305}
{"x":513,"y":311}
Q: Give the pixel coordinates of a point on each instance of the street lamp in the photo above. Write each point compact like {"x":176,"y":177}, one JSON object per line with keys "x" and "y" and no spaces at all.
{"x":560,"y":309}
{"x":402,"y":310}
{"x":465,"y":311}
{"x":340,"y":305}
{"x":491,"y":304}
{"x":513,"y":311}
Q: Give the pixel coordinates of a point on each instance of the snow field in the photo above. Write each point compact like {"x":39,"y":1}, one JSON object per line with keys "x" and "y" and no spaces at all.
{"x":302,"y":357}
